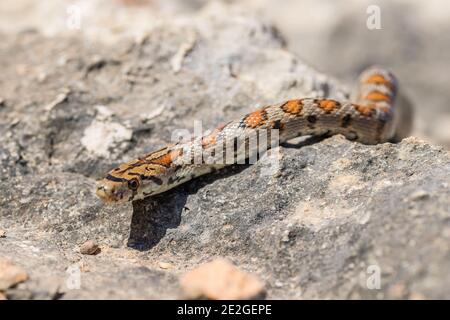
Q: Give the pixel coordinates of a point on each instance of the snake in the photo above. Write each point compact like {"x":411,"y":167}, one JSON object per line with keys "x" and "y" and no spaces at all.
{"x":368,"y":117}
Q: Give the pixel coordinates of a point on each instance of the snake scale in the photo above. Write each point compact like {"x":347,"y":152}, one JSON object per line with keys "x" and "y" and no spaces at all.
{"x":370,"y":118}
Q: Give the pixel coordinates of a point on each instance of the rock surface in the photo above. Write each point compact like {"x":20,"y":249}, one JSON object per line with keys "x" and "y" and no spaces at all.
{"x":331,"y":217}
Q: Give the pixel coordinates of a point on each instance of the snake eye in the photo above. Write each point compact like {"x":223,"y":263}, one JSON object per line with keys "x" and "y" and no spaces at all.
{"x":133,"y":184}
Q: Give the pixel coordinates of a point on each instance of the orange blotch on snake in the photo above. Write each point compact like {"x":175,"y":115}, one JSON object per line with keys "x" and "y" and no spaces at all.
{"x":166,"y":159}
{"x":364,"y":110}
{"x":208,"y":140}
{"x":292,"y":106}
{"x":378,"y":79}
{"x":211,"y":138}
{"x":328,"y":105}
{"x":255,"y":118}
{"x":377,"y":96}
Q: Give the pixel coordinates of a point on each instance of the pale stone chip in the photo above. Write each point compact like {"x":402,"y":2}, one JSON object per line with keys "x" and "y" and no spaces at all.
{"x":220,"y":280}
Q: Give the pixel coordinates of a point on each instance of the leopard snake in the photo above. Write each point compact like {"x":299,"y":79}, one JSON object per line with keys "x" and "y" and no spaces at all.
{"x":369,"y":118}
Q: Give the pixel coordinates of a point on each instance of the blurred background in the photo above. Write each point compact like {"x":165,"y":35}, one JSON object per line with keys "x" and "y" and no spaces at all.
{"x":413,"y":39}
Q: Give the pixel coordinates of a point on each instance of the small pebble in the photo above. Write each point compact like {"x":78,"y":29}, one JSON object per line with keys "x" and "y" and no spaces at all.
{"x":165,"y":265}
{"x":90,"y":248}
{"x":2,"y":233}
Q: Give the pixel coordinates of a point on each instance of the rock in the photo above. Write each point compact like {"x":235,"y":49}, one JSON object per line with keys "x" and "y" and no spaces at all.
{"x":328,"y":217}
{"x":42,"y":288}
{"x":220,"y":280}
{"x":419,"y":195}
{"x":165,"y":265}
{"x":103,"y":135}
{"x":2,"y":233}
{"x":90,"y":248}
{"x":10,"y":274}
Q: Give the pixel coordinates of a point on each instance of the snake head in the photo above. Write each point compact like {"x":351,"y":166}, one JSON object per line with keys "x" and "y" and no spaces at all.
{"x":114,"y":189}
{"x":123,"y":186}
{"x":138,"y":179}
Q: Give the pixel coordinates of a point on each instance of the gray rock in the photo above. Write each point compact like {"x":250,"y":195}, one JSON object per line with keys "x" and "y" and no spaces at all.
{"x":331,"y":214}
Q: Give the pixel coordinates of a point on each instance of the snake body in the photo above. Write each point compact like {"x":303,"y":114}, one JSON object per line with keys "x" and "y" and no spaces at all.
{"x":369,"y":118}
